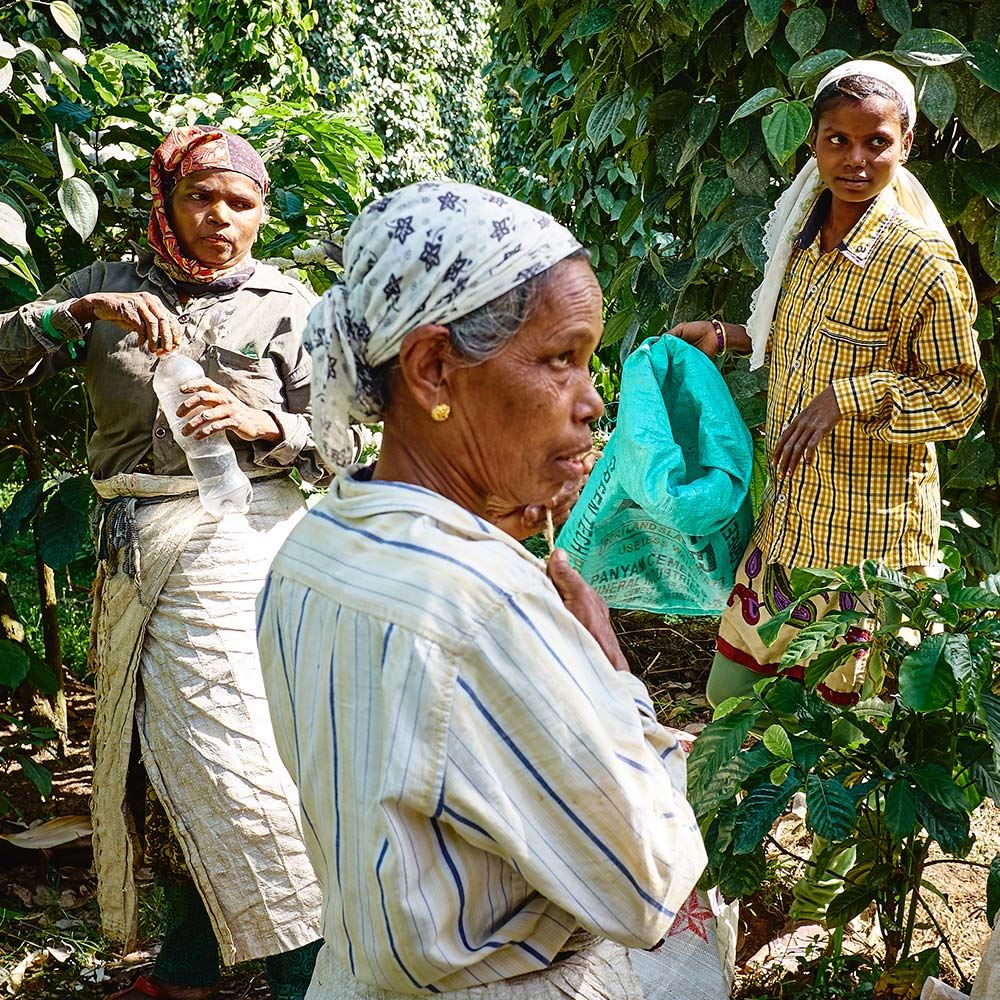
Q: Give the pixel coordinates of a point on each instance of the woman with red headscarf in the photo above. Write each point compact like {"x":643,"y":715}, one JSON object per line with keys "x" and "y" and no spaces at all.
{"x":174,"y":649}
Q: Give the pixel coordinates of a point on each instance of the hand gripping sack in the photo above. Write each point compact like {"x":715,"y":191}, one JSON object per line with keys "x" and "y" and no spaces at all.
{"x":665,"y":516}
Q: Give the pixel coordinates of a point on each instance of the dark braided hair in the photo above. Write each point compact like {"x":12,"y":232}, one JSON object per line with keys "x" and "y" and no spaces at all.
{"x":857,"y":88}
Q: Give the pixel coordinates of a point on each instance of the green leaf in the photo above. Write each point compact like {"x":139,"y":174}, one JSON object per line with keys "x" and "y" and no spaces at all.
{"x":12,"y":227}
{"x":717,"y":744}
{"x":734,"y":140}
{"x":800,"y":73}
{"x":984,"y":63}
{"x":77,"y":493}
{"x":993,"y":891}
{"x":40,"y":676}
{"x":594,"y":22}
{"x":618,"y":326}
{"x":21,"y":509}
{"x":989,"y":704}
{"x":702,"y":119}
{"x":39,"y":776}
{"x":780,"y":774}
{"x":926,"y":683}
{"x":897,"y":14}
{"x":949,"y":827}
{"x":936,"y":96}
{"x":18,"y":151}
{"x":928,"y":47}
{"x":818,"y":669}
{"x":806,"y":26}
{"x":742,"y":875}
{"x":630,"y":216}
{"x":62,"y":532}
{"x":947,"y":189}
{"x":762,"y":99}
{"x":704,"y":9}
{"x":985,"y":124}
{"x":757,"y":35}
{"x":67,"y":161}
{"x":939,"y":786}
{"x":606,"y":116}
{"x":832,"y":811}
{"x":777,"y":743}
{"x":900,"y":810}
{"x":79,"y":205}
{"x":67,"y":19}
{"x":752,"y":241}
{"x":853,"y":900}
{"x":756,"y":814}
{"x":786,"y":128}
{"x":712,"y":239}
{"x":14,"y":663}
{"x":818,"y":637}
{"x":983,"y":178}
{"x":713,"y":193}
{"x":765,"y":11}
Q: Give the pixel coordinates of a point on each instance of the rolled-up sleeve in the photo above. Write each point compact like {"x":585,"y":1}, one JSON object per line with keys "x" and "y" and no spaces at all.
{"x":28,"y":354}
{"x":556,"y":763}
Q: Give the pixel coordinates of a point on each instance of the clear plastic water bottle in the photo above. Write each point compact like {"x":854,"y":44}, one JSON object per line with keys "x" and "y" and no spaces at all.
{"x":223,"y":487}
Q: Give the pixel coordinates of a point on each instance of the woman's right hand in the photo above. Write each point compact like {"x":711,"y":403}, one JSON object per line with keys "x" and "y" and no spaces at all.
{"x":140,"y":312}
{"x":584,"y":604}
{"x":701,"y":334}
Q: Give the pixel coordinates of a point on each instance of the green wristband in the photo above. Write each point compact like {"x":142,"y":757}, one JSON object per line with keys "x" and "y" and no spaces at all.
{"x":48,"y":327}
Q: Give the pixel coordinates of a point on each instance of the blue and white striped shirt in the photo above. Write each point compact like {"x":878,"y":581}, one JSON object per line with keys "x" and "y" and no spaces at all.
{"x":476,"y":780}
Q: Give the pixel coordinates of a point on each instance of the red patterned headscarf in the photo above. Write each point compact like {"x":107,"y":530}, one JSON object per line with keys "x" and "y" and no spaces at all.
{"x":184,"y":151}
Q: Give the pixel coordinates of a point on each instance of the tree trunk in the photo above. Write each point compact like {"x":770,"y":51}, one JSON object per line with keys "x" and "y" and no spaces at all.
{"x":45,"y":580}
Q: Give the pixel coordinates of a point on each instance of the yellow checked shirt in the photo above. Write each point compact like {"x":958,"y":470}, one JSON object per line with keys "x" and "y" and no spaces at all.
{"x":886,"y":319}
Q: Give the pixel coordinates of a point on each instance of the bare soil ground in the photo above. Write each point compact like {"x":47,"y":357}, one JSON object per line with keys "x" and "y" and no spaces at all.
{"x":50,"y":941}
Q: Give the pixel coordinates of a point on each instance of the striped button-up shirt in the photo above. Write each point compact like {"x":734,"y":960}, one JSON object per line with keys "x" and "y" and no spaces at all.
{"x":886,"y":319}
{"x":476,"y":781}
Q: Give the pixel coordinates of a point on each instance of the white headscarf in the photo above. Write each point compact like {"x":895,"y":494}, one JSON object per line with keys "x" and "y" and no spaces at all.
{"x":791,"y":209}
{"x":428,"y":253}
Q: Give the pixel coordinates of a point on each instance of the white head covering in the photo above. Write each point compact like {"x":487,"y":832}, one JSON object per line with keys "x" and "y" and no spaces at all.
{"x":791,"y":209}
{"x":428,"y":253}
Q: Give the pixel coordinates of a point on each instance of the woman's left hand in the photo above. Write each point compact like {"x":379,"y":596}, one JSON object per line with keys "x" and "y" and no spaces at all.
{"x":214,"y":409}
{"x":800,"y":438}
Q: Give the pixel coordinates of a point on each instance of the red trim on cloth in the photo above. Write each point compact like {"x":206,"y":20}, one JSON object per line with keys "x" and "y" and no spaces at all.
{"x":141,"y":985}
{"x":796,"y":673}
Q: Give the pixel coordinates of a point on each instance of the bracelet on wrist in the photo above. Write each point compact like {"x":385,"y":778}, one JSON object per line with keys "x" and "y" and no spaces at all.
{"x":720,"y":334}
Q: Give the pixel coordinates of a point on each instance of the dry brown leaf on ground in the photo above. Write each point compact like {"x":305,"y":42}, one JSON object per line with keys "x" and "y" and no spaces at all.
{"x":54,"y":833}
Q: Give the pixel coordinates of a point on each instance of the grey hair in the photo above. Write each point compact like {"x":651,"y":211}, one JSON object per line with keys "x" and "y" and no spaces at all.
{"x":484,"y":332}
{"x":487,"y":330}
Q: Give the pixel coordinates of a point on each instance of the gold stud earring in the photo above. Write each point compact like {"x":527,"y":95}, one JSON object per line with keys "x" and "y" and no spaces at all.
{"x":441,"y":412}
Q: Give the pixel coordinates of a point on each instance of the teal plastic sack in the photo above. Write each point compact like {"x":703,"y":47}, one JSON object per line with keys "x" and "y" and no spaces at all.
{"x":665,"y":516}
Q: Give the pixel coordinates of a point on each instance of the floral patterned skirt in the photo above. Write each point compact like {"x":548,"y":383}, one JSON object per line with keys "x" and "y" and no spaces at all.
{"x":763,"y":590}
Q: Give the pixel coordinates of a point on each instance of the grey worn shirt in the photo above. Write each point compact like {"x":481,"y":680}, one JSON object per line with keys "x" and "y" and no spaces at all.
{"x":248,"y":340}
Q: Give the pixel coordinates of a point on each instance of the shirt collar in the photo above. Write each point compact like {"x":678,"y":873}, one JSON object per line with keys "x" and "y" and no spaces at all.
{"x":265,"y":277}
{"x":353,"y":493}
{"x":857,"y":246}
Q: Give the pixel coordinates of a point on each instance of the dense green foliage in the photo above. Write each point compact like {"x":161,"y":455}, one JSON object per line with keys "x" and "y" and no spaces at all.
{"x":82,"y":121}
{"x":900,"y":771}
{"x":662,"y":132}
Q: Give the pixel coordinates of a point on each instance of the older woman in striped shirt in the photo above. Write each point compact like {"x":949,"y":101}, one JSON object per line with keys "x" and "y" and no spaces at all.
{"x":487,"y":796}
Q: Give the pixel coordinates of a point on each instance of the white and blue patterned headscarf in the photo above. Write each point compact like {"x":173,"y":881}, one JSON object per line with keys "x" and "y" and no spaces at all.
{"x":427,"y":253}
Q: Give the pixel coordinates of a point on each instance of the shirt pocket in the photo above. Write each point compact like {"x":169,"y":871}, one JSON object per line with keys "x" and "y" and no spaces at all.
{"x":254,"y":381}
{"x":853,"y":350}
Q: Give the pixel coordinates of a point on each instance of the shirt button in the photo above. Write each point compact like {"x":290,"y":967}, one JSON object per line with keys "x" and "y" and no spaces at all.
{"x":183,"y":318}
{"x":160,"y":432}
{"x":782,"y":498}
